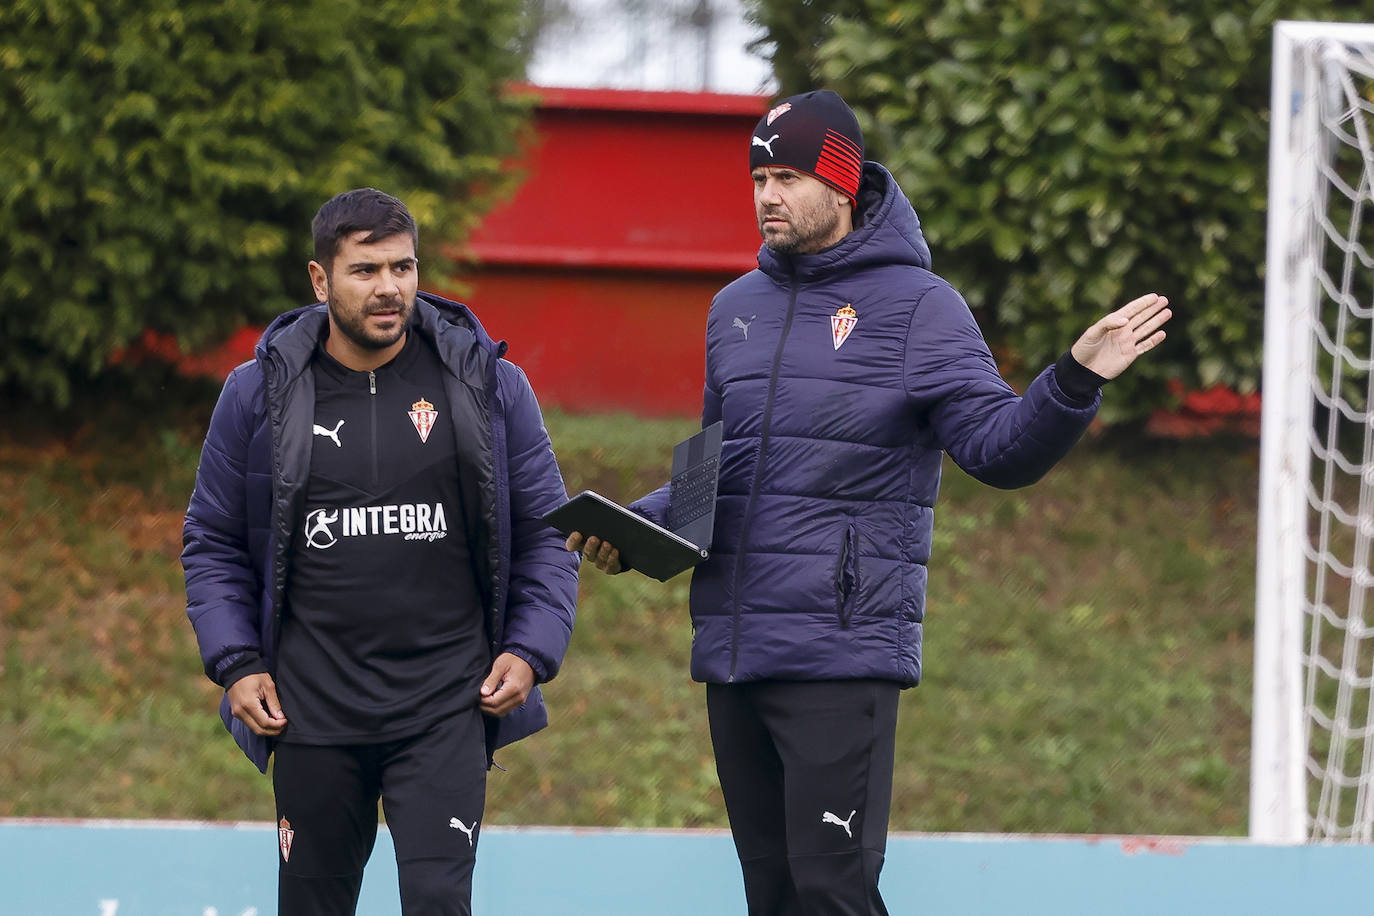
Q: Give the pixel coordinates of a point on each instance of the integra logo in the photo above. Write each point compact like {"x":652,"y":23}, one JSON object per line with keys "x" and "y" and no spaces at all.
{"x":412,"y":521}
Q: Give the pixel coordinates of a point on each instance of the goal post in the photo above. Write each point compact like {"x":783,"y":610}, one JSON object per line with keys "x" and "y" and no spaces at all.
{"x":1312,"y":742}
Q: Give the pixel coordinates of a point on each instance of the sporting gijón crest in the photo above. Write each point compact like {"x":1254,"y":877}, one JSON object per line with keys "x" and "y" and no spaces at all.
{"x":842,"y":323}
{"x":284,"y":836}
{"x":423,"y":415}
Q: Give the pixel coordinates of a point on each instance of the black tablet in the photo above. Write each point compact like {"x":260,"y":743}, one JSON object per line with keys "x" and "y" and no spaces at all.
{"x":643,"y":546}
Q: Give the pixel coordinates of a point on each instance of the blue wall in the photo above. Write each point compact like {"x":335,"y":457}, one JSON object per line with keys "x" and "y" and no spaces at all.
{"x":131,"y":868}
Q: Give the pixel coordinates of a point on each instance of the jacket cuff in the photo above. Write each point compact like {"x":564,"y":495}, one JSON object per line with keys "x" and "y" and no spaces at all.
{"x":541,"y":674}
{"x":1077,"y":381}
{"x":248,"y":663}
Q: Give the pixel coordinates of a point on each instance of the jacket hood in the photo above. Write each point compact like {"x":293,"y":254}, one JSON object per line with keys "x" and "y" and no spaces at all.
{"x":293,"y":336}
{"x":887,"y":231}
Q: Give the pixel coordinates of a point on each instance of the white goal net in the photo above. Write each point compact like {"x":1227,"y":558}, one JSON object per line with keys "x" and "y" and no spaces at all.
{"x":1312,"y":775}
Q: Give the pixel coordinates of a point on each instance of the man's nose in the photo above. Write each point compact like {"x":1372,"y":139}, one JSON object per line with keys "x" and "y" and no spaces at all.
{"x":386,"y":282}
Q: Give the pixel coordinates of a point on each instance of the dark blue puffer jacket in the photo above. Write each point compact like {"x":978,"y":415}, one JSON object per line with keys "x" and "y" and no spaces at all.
{"x":250,"y":489}
{"x":832,"y":454}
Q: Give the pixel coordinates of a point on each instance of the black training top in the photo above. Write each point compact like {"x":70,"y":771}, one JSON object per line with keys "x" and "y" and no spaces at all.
{"x":382,"y":634}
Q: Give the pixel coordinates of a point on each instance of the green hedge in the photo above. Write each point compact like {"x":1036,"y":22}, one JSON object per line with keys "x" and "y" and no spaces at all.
{"x":163,"y":158}
{"x":1066,"y":155}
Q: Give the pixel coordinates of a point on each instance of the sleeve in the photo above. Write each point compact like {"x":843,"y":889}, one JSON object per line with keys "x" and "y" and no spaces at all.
{"x":222,"y":588}
{"x":1079,"y":383}
{"x":1001,"y":438}
{"x":542,"y":600}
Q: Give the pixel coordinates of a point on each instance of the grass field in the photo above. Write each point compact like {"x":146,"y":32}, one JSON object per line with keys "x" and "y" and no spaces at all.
{"x":1087,"y":660}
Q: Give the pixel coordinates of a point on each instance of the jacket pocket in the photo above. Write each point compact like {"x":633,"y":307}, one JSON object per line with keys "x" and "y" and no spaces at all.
{"x":847,"y":574}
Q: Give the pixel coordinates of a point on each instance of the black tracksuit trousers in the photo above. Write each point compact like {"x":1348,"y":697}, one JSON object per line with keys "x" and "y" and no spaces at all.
{"x":433,"y":792}
{"x":806,"y":771}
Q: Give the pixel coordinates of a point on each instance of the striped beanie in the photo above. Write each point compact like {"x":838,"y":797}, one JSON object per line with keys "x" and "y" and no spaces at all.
{"x":816,"y":133}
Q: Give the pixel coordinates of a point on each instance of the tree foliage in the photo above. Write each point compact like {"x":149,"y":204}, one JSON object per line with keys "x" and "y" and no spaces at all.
{"x":163,"y":158}
{"x":1067,"y":155}
{"x":794,"y":33}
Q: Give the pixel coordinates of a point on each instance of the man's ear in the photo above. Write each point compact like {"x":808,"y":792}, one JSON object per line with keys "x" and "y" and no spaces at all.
{"x":319,"y":279}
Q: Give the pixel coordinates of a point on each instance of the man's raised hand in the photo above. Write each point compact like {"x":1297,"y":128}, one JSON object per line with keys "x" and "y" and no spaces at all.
{"x":1113,"y":343}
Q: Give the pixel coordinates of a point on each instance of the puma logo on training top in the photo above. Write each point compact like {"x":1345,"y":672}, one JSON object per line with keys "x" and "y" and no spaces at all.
{"x":828,"y":818}
{"x":458,"y":825}
{"x":766,"y":144}
{"x":330,"y":433}
{"x":744,"y":325}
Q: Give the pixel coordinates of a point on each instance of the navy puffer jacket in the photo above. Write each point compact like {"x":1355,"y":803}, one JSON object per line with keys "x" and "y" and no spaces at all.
{"x":833,"y":449}
{"x":250,"y":490}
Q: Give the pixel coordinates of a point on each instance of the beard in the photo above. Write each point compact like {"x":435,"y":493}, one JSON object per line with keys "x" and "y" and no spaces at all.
{"x":353,"y":325}
{"x":806,"y":232}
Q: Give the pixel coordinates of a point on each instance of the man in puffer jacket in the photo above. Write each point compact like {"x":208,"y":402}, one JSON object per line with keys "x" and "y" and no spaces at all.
{"x":367,"y":570}
{"x":843,"y":370}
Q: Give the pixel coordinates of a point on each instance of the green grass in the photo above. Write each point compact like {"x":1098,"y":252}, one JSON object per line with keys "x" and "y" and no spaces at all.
{"x":1087,"y":656}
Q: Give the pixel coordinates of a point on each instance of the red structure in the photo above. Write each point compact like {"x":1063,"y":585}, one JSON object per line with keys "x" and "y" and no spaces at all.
{"x":634,"y":209}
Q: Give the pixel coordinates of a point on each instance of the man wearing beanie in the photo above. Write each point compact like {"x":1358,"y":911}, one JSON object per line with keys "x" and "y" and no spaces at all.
{"x":844,"y":370}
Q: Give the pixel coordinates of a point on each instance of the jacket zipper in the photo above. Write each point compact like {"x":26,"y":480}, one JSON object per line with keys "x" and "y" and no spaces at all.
{"x":270,"y":374}
{"x":758,"y":470}
{"x":372,"y":403}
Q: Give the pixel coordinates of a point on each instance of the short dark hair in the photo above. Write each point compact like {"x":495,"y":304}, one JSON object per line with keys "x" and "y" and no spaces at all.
{"x":354,"y":211}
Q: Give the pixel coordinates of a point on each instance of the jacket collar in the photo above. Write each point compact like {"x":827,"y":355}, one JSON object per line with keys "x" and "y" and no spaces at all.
{"x":465,"y":348}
